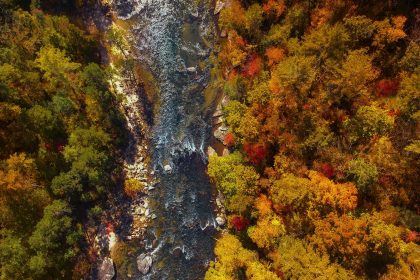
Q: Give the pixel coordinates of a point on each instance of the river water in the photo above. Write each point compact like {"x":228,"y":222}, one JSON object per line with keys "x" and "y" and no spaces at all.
{"x":173,"y":39}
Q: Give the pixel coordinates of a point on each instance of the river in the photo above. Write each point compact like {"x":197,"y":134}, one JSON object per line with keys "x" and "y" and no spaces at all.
{"x":173,"y":39}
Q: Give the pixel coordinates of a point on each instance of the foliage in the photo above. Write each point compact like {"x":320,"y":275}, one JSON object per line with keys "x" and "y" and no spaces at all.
{"x":238,"y":182}
{"x":369,"y":121}
{"x":52,"y":231}
{"x":323,"y":118}
{"x":298,"y":260}
{"x":57,"y":115}
{"x":234,"y":260}
{"x":362,"y":173}
{"x":133,"y":186}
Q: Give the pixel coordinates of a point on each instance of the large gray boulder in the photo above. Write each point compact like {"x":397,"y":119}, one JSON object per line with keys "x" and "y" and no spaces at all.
{"x":107,"y":270}
{"x":144,"y":262}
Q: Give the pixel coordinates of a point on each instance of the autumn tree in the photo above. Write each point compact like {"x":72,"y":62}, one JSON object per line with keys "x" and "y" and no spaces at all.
{"x":237,"y":181}
{"x":295,"y":259}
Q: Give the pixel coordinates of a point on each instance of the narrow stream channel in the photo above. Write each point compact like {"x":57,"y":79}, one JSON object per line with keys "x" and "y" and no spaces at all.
{"x":173,"y":39}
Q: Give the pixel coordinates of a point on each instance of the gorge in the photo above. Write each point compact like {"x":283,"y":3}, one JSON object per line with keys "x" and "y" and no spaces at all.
{"x":173,"y":39}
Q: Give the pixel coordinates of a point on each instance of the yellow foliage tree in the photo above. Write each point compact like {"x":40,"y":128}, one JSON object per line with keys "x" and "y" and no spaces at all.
{"x":18,"y":174}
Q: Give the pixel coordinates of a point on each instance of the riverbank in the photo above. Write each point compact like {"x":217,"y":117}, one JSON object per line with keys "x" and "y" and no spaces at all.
{"x":118,"y":241}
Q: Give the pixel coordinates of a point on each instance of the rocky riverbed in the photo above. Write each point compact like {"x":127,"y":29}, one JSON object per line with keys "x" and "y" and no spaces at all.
{"x":165,"y":231}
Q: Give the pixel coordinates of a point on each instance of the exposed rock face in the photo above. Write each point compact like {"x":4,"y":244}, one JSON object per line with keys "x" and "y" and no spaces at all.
{"x":218,"y":112}
{"x":221,"y":132}
{"x":219,"y":6}
{"x":211,"y":151}
{"x":144,"y":262}
{"x":107,"y":271}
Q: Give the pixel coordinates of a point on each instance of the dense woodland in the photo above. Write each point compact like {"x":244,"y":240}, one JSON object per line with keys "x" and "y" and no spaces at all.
{"x":60,"y":129}
{"x":322,"y":181}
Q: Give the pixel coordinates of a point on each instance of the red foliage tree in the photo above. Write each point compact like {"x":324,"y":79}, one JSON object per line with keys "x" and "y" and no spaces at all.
{"x":275,"y":7}
{"x":387,"y":88}
{"x":412,"y":236}
{"x":229,"y":140}
{"x":239,"y":223}
{"x":327,"y":170}
{"x":252,"y":67}
{"x":394,"y":113}
{"x":240,"y":41}
{"x":255,"y":152}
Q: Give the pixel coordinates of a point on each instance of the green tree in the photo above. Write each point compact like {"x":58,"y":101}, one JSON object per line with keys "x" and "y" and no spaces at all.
{"x":13,"y":257}
{"x":362,"y":173}
{"x":54,"y":240}
{"x":368,"y":122}
{"x":42,"y":120}
{"x":87,"y":151}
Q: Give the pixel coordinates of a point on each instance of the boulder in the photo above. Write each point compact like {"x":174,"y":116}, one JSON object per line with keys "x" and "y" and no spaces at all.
{"x":167,"y":168}
{"x":107,"y":270}
{"x":144,"y":262}
{"x":220,"y":221}
{"x":191,"y":69}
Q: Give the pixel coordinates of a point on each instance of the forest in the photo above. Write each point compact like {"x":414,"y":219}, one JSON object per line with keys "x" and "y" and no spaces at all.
{"x":60,"y":132}
{"x":321,"y":181}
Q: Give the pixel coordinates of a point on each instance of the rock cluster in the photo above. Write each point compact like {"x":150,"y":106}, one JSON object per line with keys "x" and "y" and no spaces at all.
{"x":219,"y":119}
{"x":136,"y":166}
{"x":220,"y":211}
{"x":219,"y":133}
